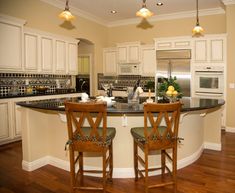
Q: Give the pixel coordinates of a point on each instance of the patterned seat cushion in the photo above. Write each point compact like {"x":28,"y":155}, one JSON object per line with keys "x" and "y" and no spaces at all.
{"x":138,"y":132}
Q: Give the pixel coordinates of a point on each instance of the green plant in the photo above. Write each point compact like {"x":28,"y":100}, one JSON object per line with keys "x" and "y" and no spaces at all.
{"x":150,"y":85}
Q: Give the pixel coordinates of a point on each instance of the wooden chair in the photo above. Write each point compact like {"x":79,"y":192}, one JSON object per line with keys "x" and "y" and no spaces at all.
{"x":91,"y":138}
{"x":157,"y":137}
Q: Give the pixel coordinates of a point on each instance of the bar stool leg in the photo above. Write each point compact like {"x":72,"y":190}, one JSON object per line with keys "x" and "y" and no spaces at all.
{"x":146,"y":169}
{"x":104,"y":170}
{"x":135,"y":160}
{"x":72,"y":169}
{"x":163,"y":162}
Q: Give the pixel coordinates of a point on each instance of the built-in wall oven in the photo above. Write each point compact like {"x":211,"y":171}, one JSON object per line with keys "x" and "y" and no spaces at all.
{"x":209,"y":81}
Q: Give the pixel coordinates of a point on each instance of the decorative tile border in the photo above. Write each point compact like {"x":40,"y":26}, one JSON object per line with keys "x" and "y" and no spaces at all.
{"x":123,"y":81}
{"x":17,"y":82}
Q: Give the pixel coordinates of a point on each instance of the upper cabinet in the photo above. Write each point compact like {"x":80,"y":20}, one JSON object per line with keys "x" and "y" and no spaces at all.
{"x":31,"y":57}
{"x":128,"y":52}
{"x":49,"y":53}
{"x":11,"y":35}
{"x":210,"y":49}
{"x":110,"y":61}
{"x":72,"y":57}
{"x":148,"y":60}
{"x":173,"y":43}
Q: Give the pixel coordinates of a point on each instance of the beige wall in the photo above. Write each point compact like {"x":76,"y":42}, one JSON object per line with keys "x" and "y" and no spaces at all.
{"x":42,"y":16}
{"x":230,"y":23}
{"x":167,"y":28}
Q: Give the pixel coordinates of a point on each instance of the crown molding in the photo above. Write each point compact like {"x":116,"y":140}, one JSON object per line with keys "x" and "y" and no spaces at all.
{"x":77,"y":12}
{"x":178,"y":15}
{"x":228,"y":2}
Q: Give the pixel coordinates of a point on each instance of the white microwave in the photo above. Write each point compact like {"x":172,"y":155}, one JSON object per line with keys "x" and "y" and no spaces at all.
{"x":128,"y":69}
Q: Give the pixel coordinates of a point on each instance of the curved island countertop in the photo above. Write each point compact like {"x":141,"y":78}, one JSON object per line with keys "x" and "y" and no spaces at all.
{"x":44,"y":133}
{"x":122,"y":107}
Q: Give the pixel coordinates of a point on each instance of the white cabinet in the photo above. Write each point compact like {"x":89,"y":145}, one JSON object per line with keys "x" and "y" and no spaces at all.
{"x":5,"y":121}
{"x":46,"y":54}
{"x":49,"y":53}
{"x":72,"y":58}
{"x":173,"y":43}
{"x":210,"y":49}
{"x":148,"y":60}
{"x":128,"y":52}
{"x":60,"y":56}
{"x":110,"y":61}
{"x":11,"y":44}
{"x":31,"y":55}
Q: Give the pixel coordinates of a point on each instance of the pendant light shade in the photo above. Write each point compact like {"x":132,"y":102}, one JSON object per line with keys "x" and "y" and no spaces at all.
{"x":197,"y":30}
{"x":66,"y":14}
{"x":144,"y":12}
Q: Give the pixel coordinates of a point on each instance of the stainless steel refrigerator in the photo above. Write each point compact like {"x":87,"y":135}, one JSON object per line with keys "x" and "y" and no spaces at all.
{"x":174,"y":63}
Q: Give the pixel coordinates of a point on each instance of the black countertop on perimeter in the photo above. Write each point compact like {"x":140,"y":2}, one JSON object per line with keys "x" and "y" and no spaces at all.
{"x":122,"y":107}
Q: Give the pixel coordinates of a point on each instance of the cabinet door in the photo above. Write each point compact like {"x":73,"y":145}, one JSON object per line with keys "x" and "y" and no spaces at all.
{"x":18,"y":127}
{"x":5,"y":128}
{"x":60,"y":56}
{"x":72,"y":58}
{"x":30,"y":52}
{"x":200,"y":51}
{"x":133,"y":53}
{"x":47,"y":54}
{"x":110,"y":62}
{"x":217,"y":50}
{"x":10,"y":46}
{"x":122,"y":54}
{"x":148,"y":61}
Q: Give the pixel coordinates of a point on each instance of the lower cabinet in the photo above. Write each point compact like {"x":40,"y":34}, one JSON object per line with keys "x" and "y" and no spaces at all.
{"x":8,"y":129}
{"x":10,"y":116}
{"x":5,"y":121}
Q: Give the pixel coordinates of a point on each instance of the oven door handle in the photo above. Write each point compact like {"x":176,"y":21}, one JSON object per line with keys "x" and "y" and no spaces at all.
{"x":209,"y":94}
{"x":209,"y":73}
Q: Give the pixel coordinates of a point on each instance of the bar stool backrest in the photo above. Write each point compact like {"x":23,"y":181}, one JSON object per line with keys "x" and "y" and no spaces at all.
{"x":87,"y":125}
{"x":155,"y":114}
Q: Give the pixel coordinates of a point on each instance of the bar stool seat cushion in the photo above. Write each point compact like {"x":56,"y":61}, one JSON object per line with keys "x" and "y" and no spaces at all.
{"x":138,"y":133}
{"x":111,"y":132}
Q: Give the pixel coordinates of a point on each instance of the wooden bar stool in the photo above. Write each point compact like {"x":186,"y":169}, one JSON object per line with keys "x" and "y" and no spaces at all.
{"x":96,"y":137}
{"x":154,"y":136}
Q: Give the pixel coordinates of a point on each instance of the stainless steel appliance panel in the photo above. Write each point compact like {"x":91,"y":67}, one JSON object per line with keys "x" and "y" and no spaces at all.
{"x":175,"y":63}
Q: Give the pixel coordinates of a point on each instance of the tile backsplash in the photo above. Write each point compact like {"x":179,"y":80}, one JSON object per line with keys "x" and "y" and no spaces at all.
{"x":19,"y":81}
{"x":121,"y":82}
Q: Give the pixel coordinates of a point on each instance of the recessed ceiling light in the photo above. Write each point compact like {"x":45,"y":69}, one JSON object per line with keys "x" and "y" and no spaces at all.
{"x":159,"y":4}
{"x":113,"y":11}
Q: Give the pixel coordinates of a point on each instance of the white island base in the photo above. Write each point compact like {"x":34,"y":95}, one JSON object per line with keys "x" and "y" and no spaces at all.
{"x":44,"y":134}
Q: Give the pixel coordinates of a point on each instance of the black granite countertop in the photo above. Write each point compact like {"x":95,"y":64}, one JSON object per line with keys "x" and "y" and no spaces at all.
{"x":122,"y":107}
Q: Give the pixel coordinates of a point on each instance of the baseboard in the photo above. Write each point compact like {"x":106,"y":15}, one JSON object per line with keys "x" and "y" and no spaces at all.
{"x":213,"y":146}
{"x":117,"y":172}
{"x":30,"y":166}
{"x":230,"y":129}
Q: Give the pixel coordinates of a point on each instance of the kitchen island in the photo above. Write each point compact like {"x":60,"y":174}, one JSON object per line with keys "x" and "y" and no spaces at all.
{"x":44,"y":133}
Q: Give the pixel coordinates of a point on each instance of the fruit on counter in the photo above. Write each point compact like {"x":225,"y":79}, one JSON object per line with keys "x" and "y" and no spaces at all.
{"x":175,"y":92}
{"x":171,"y":88}
{"x":169,"y":92}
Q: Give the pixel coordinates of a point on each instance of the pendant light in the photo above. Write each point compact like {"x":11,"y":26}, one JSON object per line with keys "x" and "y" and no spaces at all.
{"x":66,"y":14}
{"x":144,"y":12}
{"x":197,"y":30}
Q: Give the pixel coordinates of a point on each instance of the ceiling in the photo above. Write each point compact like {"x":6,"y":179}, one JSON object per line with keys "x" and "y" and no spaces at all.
{"x":99,"y":10}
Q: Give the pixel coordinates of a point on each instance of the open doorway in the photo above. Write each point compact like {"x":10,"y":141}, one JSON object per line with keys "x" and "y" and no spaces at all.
{"x":84,"y":79}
